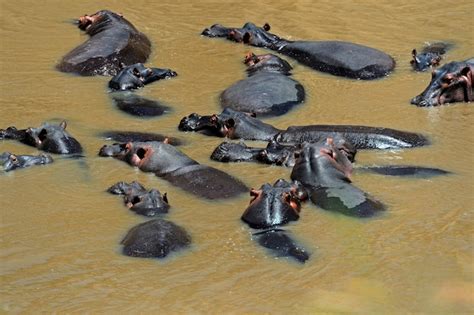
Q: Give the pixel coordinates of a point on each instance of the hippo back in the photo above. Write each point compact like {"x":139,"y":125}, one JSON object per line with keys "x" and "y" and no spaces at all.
{"x":341,"y":58}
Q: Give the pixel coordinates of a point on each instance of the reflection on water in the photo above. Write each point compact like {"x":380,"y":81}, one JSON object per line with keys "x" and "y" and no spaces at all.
{"x":61,"y":230}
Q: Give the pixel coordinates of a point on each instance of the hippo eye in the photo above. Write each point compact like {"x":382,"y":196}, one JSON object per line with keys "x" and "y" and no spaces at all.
{"x":448,"y":80}
{"x":136,"y":72}
{"x":43,"y":134}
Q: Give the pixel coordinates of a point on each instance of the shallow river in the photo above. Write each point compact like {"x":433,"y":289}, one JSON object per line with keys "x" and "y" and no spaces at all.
{"x":60,"y":230}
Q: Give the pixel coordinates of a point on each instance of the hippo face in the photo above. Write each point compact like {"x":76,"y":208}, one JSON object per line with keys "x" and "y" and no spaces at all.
{"x":266,"y":62}
{"x":423,"y":61}
{"x":274,"y":205}
{"x":248,"y":34}
{"x":321,"y":164}
{"x":451,"y":83}
{"x":11,"y":161}
{"x":52,"y":138}
{"x":117,"y":150}
{"x":148,"y":203}
{"x":97,"y":22}
{"x":278,"y":154}
{"x":137,"y":76}
{"x":234,"y":152}
{"x":210,"y":125}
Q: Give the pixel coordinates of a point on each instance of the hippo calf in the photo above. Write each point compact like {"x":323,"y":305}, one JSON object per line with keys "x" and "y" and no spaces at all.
{"x":47,"y":137}
{"x":429,"y":57}
{"x":334,"y":57}
{"x":148,"y":203}
{"x":11,"y":161}
{"x":113,"y":42}
{"x":155,"y":238}
{"x":174,"y":166}
{"x":268,"y":90}
{"x":453,"y":82}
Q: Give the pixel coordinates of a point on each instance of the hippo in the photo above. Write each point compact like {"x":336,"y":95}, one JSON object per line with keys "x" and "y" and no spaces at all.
{"x":174,"y":166}
{"x":325,"y":173}
{"x":136,"y":105}
{"x":334,"y":57}
{"x":429,"y":57}
{"x":237,"y":125}
{"x":274,"y":206}
{"x":138,"y":136}
{"x":275,"y":153}
{"x":47,"y":137}
{"x":453,"y":82}
{"x":267,"y":91}
{"x":137,"y":76}
{"x":404,"y":170}
{"x":139,"y":200}
{"x":11,"y":161}
{"x":113,"y":43}
{"x":155,"y":238}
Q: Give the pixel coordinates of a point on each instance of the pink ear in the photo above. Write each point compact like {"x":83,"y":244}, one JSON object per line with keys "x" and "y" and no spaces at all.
{"x":63,"y":124}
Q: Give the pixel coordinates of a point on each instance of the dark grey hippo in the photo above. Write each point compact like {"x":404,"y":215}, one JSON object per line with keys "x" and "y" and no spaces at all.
{"x":137,"y":76}
{"x":11,"y":161}
{"x":334,"y":57}
{"x":268,"y":90}
{"x":113,"y":43}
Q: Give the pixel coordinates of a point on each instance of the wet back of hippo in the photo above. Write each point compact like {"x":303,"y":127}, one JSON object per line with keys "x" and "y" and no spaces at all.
{"x":341,"y":58}
{"x":206,"y":182}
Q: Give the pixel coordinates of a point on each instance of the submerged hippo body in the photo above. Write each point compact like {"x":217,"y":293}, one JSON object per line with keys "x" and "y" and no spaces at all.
{"x":148,"y":203}
{"x":237,"y":125}
{"x":169,"y":163}
{"x":11,"y":161}
{"x":325,"y":172}
{"x":113,"y":42}
{"x":335,"y":57}
{"x":47,"y":137}
{"x":274,"y":206}
{"x":453,"y":82}
{"x":155,"y":238}
{"x":137,"y":76}
{"x":138,"y":136}
{"x":136,"y":105}
{"x":268,"y":90}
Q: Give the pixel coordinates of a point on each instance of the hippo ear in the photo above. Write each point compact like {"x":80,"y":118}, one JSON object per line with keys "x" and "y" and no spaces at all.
{"x":63,"y":124}
{"x":13,"y":158}
{"x":246,"y":38}
{"x":165,"y":197}
{"x":266,"y":27}
{"x":166,"y":140}
{"x":413,"y":53}
{"x":466,"y":71}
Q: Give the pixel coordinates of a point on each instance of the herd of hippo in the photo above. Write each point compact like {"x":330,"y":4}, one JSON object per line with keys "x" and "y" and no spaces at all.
{"x":321,"y":156}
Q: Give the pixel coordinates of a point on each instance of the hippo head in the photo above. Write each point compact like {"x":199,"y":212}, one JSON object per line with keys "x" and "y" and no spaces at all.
{"x":234,"y":152}
{"x":274,"y":205}
{"x":278,"y":154}
{"x":137,"y":76}
{"x":451,"y":83}
{"x":249,"y":34}
{"x":321,"y":164}
{"x":148,"y":203}
{"x":209,"y":125}
{"x":117,"y":150}
{"x":101,"y":20}
{"x":266,"y":62}
{"x":52,"y":138}
{"x":12,"y":161}
{"x":423,"y":61}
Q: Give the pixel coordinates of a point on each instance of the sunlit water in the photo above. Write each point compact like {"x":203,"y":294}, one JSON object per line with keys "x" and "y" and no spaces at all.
{"x":61,"y":231}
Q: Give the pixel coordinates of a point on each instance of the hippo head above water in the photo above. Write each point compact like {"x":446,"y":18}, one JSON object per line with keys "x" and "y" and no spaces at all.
{"x":423,"y":61}
{"x":266,"y":62}
{"x":248,"y":34}
{"x":453,"y":82}
{"x":274,"y":205}
{"x":137,"y":76}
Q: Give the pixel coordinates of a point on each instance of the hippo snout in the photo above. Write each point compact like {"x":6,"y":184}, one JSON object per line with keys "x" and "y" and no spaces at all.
{"x":420,"y":101}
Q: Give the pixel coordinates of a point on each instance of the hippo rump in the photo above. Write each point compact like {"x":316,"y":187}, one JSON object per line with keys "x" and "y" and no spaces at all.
{"x":156,"y":238}
{"x":237,"y":125}
{"x":272,"y":207}
{"x":11,"y":161}
{"x":268,"y":90}
{"x":137,"y":76}
{"x":325,"y":173}
{"x":334,"y":57}
{"x":174,"y":166}
{"x":148,"y":203}
{"x":113,"y":43}
{"x":453,"y":82}
{"x":138,"y":106}
{"x":47,"y":137}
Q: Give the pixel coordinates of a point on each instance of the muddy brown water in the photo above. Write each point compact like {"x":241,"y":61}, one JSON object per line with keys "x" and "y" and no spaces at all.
{"x":60,"y":231}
